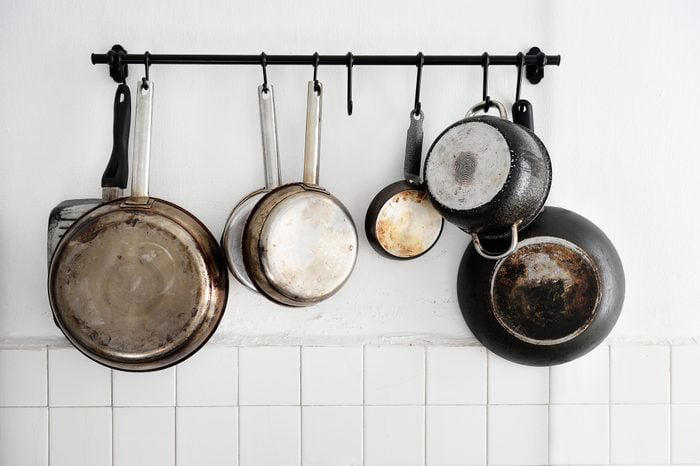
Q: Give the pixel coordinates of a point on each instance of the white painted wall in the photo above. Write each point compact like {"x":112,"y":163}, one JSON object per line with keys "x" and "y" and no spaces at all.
{"x":619,"y":117}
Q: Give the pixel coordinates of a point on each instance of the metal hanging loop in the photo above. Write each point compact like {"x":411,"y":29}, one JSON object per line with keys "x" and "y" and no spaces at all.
{"x":317,"y":60}
{"x":485,"y":61}
{"x":263,"y":62}
{"x":521,"y":64}
{"x":349,"y":59}
{"x":420,"y":61}
{"x":147,"y":65}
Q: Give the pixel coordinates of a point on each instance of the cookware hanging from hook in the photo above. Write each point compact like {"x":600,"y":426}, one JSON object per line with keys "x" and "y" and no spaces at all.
{"x":522,"y":109}
{"x":487,"y":175}
{"x":400,"y":222}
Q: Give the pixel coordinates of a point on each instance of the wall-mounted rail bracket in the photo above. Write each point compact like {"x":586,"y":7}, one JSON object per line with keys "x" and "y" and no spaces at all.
{"x":535,"y":73}
{"x":118,"y":68}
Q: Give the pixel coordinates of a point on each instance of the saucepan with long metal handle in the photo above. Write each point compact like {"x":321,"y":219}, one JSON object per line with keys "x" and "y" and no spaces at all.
{"x":138,"y":283}
{"x":556,"y":297}
{"x":114,"y":179}
{"x":232,"y":238}
{"x":300,"y":243}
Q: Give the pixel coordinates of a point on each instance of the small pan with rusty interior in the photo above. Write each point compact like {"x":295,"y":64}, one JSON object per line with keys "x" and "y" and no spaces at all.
{"x":300,"y":243}
{"x":555,"y":298}
{"x":138,"y":283}
{"x":401,"y":222}
{"x":232,"y":238}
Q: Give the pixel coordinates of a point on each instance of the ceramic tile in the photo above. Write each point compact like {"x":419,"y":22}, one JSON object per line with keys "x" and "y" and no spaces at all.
{"x":331,"y":435}
{"x":144,"y":436}
{"x":517,"y":435}
{"x":331,"y":375}
{"x":23,"y":377}
{"x":455,"y":435}
{"x":75,"y":380}
{"x":394,"y":435}
{"x":685,"y":429}
{"x":579,"y":434}
{"x":269,"y":375}
{"x":639,"y":434}
{"x":584,"y":380}
{"x":511,"y":383}
{"x":639,"y":374}
{"x":209,"y":378}
{"x":685,"y":374}
{"x":206,"y":436}
{"x":456,"y":375}
{"x":394,"y":375}
{"x":270,"y":435}
{"x":80,"y":436}
{"x":144,"y":388}
{"x":24,"y":436}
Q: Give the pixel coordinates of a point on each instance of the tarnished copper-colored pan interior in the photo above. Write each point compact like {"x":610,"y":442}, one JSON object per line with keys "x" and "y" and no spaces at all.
{"x":138,"y":287}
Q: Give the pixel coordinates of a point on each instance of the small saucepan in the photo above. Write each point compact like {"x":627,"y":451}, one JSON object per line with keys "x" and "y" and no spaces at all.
{"x":555,"y":298}
{"x":401,"y":222}
{"x":488,"y":176}
{"x":300,"y":243}
{"x":232,"y":238}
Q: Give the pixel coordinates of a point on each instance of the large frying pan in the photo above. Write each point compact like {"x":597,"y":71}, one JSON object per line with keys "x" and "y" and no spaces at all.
{"x":555,"y":298}
{"x":138,"y":283}
{"x":300,"y":243}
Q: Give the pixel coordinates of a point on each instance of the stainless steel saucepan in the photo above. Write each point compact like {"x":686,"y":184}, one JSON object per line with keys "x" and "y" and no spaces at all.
{"x":138,"y":283}
{"x":232,"y":238}
{"x":300,"y":242}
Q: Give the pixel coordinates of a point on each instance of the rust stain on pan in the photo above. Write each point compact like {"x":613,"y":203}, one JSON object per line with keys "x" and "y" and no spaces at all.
{"x":408,"y":224}
{"x":546,"y":292}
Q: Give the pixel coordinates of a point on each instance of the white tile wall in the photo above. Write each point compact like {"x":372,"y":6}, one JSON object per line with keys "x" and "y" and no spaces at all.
{"x":363,"y":406}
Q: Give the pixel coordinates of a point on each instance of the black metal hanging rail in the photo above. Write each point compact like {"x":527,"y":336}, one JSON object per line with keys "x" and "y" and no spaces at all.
{"x":534,"y":61}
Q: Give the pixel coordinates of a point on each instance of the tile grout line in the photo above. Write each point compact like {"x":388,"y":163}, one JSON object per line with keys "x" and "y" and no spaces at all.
{"x":301,"y":410}
{"x":364,"y":408}
{"x":175,"y":420}
{"x":238,"y":404}
{"x":425,"y":405}
{"x":111,"y":407}
{"x":670,"y":404}
{"x":487,"y":407}
{"x":48,"y":412}
{"x":549,"y":415}
{"x":610,"y":404}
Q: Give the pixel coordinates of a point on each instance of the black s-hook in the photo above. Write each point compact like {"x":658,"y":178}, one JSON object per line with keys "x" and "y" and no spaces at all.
{"x":420,"y":61}
{"x":147,"y":65}
{"x":263,"y":62}
{"x":317,"y":60}
{"x":522,"y":109}
{"x":349,"y":62}
{"x":485,"y":61}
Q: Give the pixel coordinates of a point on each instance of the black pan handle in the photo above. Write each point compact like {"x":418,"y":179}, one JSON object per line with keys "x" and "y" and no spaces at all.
{"x":116,"y":174}
{"x":414,"y":149}
{"x":522,"y":114}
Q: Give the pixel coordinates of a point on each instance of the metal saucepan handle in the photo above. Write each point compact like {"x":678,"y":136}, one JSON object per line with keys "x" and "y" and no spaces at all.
{"x":414,"y":149}
{"x":268,"y":129}
{"x":511,"y":248}
{"x":142,"y":143}
{"x":503,"y":113}
{"x":312,"y":144}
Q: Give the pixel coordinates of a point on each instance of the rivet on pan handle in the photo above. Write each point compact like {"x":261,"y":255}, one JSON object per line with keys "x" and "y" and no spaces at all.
{"x":268,"y":129}
{"x":142,"y":143}
{"x":312,"y":145}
